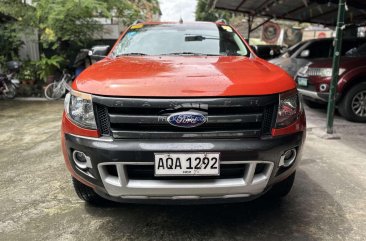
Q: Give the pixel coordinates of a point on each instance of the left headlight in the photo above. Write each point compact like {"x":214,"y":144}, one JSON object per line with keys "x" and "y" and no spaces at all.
{"x":79,"y":109}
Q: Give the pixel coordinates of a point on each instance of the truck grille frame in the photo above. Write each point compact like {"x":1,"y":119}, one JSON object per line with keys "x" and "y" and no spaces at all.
{"x":252,"y":180}
{"x":145,"y":118}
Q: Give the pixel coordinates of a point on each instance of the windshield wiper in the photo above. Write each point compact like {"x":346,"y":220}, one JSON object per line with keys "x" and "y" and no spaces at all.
{"x":131,"y":54}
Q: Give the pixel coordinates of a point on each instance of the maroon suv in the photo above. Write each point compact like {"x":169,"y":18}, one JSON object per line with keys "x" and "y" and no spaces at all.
{"x":314,"y":79}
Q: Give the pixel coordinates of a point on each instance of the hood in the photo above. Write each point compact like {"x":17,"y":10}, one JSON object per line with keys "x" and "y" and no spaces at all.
{"x":180,"y":76}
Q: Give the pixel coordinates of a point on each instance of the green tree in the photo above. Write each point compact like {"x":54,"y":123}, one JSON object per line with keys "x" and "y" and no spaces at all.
{"x":67,"y":20}
{"x":64,"y":26}
{"x":204,"y":12}
{"x":10,"y":29}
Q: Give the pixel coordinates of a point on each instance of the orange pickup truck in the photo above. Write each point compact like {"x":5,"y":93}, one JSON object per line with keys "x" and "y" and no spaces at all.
{"x":182,"y":112}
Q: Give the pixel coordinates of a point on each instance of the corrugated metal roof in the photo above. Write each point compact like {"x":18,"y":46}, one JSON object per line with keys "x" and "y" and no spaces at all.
{"x":312,"y":11}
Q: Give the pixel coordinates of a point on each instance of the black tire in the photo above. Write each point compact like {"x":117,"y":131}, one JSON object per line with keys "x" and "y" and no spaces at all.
{"x":345,"y":107}
{"x":281,"y":189}
{"x":11,"y":93}
{"x":314,"y":105}
{"x":88,"y":194}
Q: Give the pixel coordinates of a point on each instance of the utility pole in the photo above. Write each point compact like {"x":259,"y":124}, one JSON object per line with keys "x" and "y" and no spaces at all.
{"x":335,"y":67}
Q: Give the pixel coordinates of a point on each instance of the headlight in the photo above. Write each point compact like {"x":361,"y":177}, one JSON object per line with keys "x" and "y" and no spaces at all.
{"x":322,"y":72}
{"x":288,"y":109}
{"x":79,"y":108}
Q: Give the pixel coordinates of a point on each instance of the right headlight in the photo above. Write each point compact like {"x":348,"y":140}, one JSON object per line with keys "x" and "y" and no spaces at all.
{"x":79,"y":109}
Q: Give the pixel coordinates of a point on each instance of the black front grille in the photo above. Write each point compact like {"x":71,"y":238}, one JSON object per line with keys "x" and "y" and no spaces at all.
{"x":269,"y":117}
{"x":235,"y":117}
{"x":102,"y":119}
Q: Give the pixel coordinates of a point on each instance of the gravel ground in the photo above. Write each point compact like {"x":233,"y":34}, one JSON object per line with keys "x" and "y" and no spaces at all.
{"x":328,"y":201}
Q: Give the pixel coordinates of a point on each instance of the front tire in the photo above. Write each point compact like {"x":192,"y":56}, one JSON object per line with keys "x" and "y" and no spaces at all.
{"x":88,"y":194}
{"x":283,"y":188}
{"x":353,"y":104}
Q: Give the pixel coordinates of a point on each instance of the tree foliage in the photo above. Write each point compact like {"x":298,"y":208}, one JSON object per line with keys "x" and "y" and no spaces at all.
{"x":74,"y":21}
{"x":64,"y":26}
{"x":10,"y":40}
{"x":204,"y":12}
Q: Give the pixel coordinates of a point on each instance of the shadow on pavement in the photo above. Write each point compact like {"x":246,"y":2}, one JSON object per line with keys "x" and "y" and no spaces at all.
{"x":308,"y":213}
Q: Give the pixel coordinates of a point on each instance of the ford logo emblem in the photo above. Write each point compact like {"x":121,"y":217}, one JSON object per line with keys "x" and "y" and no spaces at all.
{"x":187,"y":119}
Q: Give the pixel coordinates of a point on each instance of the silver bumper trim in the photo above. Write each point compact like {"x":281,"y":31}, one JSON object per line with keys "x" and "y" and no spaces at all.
{"x":309,"y":93}
{"x":121,"y":186}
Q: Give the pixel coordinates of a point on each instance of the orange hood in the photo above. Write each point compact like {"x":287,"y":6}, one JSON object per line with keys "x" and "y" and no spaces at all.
{"x":183,"y":76}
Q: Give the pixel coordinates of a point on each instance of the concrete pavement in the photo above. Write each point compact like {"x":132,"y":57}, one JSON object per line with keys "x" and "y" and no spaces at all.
{"x":328,"y":201}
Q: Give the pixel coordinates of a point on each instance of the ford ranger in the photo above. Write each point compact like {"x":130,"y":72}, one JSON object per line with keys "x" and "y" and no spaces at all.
{"x":182,"y":112}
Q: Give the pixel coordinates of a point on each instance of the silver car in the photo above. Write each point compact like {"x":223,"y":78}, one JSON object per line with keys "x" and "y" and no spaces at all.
{"x":304,"y":52}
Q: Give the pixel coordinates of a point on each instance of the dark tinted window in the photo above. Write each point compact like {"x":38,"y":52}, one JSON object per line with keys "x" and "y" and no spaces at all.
{"x":357,"y":52}
{"x":319,"y":49}
{"x":292,"y":50}
{"x":347,"y":45}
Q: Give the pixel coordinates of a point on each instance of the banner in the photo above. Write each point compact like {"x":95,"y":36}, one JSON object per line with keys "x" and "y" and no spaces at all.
{"x":271,"y":32}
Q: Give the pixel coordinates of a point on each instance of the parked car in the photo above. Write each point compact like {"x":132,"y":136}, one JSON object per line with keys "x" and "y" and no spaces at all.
{"x":268,"y":52}
{"x":182,"y":112}
{"x":304,"y":52}
{"x":314,"y":80}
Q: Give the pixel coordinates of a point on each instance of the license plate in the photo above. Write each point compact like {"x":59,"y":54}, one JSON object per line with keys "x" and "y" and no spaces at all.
{"x":302,"y":81}
{"x":187,"y":164}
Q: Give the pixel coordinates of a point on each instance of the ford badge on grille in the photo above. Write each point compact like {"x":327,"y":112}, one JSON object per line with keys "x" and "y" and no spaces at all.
{"x":187,"y":119}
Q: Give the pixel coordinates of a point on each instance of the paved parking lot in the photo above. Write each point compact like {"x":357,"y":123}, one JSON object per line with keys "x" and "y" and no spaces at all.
{"x":328,"y":201}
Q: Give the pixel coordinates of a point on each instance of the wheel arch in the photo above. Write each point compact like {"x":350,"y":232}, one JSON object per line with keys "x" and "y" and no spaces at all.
{"x":355,"y":80}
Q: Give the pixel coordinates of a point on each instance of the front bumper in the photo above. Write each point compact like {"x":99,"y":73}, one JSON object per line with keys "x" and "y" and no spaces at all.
{"x":119,"y":186}
{"x":317,"y":96}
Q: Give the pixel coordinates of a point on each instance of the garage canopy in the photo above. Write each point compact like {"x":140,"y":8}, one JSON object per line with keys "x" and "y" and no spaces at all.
{"x":311,"y":11}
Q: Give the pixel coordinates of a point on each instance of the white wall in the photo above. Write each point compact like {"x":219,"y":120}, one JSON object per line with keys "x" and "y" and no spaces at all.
{"x":30,"y":49}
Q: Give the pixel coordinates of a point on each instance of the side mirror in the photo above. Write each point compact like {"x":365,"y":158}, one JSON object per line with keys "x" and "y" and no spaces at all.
{"x":99,"y":52}
{"x":305,"y":53}
{"x":254,"y":48}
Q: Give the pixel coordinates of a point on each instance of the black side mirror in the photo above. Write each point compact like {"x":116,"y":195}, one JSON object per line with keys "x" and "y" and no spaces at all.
{"x":254,"y":48}
{"x":99,"y":52}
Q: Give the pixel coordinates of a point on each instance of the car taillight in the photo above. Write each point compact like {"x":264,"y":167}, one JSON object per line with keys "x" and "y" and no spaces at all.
{"x":289,"y":109}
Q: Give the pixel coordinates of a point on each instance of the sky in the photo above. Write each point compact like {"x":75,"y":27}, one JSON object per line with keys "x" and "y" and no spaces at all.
{"x":172,"y":10}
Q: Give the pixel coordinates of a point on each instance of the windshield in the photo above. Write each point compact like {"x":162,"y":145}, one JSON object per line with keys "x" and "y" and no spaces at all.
{"x":292,"y":50}
{"x":357,"y":52}
{"x":181,"y":39}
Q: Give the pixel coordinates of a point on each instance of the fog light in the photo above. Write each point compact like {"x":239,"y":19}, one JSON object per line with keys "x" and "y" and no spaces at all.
{"x":288,"y":158}
{"x":323,"y":87}
{"x":81,"y":160}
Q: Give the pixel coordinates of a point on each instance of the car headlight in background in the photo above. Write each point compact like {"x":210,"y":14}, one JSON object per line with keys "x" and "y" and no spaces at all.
{"x":79,"y":109}
{"x":289,"y":109}
{"x":321,"y":72}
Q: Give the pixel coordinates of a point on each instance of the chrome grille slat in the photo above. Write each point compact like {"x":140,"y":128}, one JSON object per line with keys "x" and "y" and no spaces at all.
{"x":173,"y":135}
{"x":146,"y":119}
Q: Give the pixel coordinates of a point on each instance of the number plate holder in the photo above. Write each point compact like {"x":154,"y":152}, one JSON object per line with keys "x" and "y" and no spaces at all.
{"x":178,"y":164}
